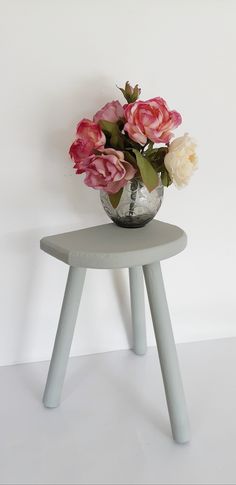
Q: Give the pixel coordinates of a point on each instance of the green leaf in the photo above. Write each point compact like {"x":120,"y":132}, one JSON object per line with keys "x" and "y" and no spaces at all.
{"x":149,"y":148}
{"x":136,"y":93}
{"x":113,"y":131}
{"x":115,"y":198}
{"x":130,"y":158}
{"x":157,"y":154}
{"x":148,"y":174}
{"x":165,"y":177}
{"x":130,"y":94}
{"x":122,"y":90}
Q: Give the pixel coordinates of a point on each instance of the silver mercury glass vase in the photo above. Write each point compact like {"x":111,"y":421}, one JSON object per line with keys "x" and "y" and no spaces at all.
{"x":137,"y":205}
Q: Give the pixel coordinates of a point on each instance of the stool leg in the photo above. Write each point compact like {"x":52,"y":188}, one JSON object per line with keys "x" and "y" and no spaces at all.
{"x":65,"y":331}
{"x":138,"y":310}
{"x":167,"y":353}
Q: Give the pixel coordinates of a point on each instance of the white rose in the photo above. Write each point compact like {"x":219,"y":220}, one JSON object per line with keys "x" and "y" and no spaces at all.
{"x":181,"y":160}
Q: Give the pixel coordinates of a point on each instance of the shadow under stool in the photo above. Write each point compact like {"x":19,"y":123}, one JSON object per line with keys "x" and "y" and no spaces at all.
{"x":141,"y":250}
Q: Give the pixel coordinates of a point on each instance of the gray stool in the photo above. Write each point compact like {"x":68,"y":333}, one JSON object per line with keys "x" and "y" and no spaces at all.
{"x":106,"y":247}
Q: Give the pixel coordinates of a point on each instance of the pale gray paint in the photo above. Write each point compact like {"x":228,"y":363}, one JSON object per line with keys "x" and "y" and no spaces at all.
{"x":138,"y":310}
{"x":65,"y":331}
{"x":167,"y":353}
{"x":110,"y":246}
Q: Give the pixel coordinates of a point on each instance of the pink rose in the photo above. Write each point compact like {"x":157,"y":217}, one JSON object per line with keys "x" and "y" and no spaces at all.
{"x":108,"y":171}
{"x":151,"y":120}
{"x":110,"y":112}
{"x":89,"y":137}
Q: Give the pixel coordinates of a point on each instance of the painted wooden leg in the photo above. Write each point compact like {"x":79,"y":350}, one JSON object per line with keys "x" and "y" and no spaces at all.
{"x":138,"y":310}
{"x":65,"y":331}
{"x":167,"y":353}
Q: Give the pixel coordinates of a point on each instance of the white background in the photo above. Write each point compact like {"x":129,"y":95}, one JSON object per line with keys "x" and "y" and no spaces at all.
{"x":60,"y":61}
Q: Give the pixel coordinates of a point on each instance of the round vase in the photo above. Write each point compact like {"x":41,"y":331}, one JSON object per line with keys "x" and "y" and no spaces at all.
{"x":137,"y":206}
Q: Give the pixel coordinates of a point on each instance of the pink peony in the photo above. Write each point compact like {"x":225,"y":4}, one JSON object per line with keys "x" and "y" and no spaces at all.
{"x":110,"y":112}
{"x":151,"y":120}
{"x":89,"y":137}
{"x":108,"y":171}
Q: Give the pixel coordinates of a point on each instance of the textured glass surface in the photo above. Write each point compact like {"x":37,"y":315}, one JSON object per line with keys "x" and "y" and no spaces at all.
{"x":137,"y":206}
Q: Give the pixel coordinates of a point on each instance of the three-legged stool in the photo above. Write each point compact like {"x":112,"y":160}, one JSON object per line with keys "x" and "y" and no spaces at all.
{"x":106,"y":247}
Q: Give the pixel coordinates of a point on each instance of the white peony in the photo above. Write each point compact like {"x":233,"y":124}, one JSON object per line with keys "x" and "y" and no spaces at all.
{"x":181,"y":160}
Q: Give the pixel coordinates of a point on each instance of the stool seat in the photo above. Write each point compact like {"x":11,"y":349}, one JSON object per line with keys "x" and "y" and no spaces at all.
{"x":108,"y":246}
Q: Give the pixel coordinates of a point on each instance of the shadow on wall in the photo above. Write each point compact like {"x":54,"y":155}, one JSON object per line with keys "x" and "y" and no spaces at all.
{"x":59,"y":125}
{"x":62,"y":196}
{"x":34,"y":290}
{"x":57,"y":175}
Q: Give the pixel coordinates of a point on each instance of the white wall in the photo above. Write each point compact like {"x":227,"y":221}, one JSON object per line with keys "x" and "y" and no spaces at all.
{"x":60,"y":61}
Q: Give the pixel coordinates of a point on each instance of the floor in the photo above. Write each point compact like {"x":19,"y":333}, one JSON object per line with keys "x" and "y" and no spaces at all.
{"x":112,"y":426}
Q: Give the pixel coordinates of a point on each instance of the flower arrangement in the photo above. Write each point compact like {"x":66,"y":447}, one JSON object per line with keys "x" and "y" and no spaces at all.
{"x":119,"y":144}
